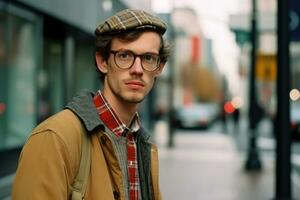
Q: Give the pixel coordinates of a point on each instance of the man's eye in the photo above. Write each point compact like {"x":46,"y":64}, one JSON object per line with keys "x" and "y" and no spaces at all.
{"x":149,"y":58}
{"x":124,"y":55}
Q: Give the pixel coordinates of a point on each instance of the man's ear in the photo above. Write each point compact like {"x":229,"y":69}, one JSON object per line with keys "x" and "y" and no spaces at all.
{"x":101,"y":63}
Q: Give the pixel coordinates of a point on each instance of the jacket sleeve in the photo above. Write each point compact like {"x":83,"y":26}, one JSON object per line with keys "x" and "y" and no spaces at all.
{"x":44,"y":170}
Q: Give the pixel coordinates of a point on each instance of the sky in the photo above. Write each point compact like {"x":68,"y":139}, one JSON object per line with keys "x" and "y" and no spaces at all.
{"x":213,"y":17}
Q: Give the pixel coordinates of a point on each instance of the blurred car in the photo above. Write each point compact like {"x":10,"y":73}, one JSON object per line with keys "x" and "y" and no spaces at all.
{"x":295,"y":120}
{"x":198,"y":115}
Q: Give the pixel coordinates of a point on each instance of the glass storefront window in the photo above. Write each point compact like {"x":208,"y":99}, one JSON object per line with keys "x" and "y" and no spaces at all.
{"x":50,"y":79}
{"x":18,"y":64}
{"x":85,"y":75}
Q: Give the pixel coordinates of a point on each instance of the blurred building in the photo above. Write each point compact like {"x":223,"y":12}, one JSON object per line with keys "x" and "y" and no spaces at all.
{"x":196,"y":74}
{"x":266,"y":68}
{"x":46,"y":57}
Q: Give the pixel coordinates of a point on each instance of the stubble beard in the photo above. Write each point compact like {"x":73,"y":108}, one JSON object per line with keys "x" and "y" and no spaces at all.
{"x":126,"y":96}
{"x":130,"y":98}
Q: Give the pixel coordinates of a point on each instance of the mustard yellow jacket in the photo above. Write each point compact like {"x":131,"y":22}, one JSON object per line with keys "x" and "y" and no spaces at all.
{"x":50,"y":160}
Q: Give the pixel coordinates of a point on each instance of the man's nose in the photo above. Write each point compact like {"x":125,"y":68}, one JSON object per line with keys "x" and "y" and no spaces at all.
{"x":137,"y":66}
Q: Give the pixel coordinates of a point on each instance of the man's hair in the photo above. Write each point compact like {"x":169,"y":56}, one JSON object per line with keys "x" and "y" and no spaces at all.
{"x":103,"y":45}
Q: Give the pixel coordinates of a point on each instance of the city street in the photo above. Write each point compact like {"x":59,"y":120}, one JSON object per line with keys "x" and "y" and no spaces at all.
{"x":209,"y":165}
{"x":207,"y":69}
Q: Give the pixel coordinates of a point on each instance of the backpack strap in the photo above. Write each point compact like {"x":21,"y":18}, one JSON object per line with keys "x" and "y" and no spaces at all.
{"x":82,"y":177}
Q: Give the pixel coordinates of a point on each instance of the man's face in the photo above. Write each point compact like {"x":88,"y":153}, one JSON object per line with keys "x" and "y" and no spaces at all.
{"x":133,"y":84}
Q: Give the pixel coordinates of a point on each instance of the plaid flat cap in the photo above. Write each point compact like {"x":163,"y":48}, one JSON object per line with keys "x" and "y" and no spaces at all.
{"x":129,"y":19}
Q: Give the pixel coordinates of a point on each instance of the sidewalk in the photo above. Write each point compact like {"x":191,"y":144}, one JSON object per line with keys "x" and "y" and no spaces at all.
{"x":209,"y":166}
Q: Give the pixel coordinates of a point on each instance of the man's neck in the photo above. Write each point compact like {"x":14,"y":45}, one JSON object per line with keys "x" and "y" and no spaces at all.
{"x":125,"y":111}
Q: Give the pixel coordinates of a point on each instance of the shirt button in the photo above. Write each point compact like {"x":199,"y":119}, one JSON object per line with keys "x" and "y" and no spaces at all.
{"x":116,"y":195}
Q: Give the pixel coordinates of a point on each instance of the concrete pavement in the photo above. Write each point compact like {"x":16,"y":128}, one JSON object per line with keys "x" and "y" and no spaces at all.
{"x":210,"y":166}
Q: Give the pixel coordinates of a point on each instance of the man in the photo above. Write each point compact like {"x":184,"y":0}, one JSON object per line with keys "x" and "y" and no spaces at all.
{"x":130,"y":55}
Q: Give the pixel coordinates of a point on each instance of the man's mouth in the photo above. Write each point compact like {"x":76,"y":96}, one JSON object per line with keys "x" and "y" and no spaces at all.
{"x":136,"y":85}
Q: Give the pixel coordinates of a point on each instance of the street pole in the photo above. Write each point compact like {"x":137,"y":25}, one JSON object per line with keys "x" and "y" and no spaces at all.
{"x":253,"y":162}
{"x":171,"y":116}
{"x":282,"y":123}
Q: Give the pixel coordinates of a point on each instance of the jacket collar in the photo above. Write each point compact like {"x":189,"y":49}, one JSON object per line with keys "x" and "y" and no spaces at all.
{"x":83,"y":106}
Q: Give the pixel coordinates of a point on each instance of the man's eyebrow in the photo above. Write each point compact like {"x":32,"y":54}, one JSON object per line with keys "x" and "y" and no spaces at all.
{"x":147,"y":52}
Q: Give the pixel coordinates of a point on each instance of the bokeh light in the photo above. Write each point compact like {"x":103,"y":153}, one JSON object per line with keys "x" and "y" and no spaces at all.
{"x":294,"y":94}
{"x":237,"y":102}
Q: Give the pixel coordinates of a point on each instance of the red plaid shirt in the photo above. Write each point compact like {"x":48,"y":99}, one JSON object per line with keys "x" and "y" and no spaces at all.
{"x":111,"y":120}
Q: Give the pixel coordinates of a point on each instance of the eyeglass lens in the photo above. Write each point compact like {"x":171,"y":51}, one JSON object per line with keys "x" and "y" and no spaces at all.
{"x":125,"y":59}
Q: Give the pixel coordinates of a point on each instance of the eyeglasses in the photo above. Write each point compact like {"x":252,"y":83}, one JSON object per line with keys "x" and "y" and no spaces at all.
{"x":125,"y":59}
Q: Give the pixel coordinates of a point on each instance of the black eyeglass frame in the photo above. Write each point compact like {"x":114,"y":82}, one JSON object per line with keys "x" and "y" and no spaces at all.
{"x":134,"y":58}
